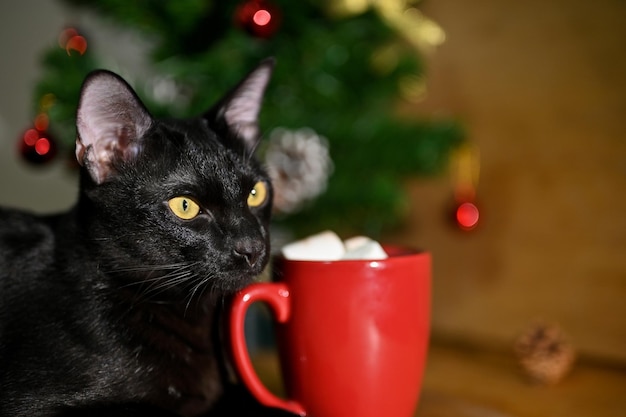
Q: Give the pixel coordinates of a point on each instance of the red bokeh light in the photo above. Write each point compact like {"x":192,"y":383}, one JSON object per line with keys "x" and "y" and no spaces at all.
{"x":42,"y":146}
{"x":71,"y":40}
{"x":262,"y":17}
{"x":37,"y":147}
{"x":41,"y":122}
{"x":65,"y":35}
{"x":30,"y":137}
{"x":467,"y":215}
{"x":76,"y":43}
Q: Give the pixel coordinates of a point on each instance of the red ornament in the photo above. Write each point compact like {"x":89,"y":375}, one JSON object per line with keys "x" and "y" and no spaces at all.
{"x":71,"y":40}
{"x":37,"y":147}
{"x":467,"y":216}
{"x":260,"y":18}
{"x":465,"y":166}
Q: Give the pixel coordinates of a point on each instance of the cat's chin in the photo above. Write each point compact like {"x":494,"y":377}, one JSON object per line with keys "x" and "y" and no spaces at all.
{"x":233,"y":282}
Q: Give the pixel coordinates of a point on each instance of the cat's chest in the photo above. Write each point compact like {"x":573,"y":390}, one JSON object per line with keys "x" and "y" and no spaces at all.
{"x":176,"y":358}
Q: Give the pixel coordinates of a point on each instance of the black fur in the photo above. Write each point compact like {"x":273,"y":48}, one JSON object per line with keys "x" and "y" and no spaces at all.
{"x":114,"y":307}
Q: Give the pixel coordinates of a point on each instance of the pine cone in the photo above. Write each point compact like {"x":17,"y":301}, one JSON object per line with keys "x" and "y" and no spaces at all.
{"x":299,"y":164}
{"x":545,"y":354}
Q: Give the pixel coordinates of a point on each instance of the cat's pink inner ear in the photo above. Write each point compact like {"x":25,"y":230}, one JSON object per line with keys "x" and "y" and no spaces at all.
{"x":111,"y":122}
{"x":241,"y":111}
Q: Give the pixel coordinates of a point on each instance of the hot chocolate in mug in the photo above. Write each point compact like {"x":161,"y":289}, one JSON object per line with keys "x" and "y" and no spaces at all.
{"x":352,"y":334}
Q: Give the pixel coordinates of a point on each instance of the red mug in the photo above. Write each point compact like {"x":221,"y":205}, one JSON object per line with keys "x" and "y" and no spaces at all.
{"x":352,"y":334}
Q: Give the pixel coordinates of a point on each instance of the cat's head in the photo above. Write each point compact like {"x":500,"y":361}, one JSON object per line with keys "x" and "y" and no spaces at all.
{"x":179,"y":206}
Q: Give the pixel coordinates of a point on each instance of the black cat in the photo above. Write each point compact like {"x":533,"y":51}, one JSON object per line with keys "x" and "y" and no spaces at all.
{"x":113,"y":308}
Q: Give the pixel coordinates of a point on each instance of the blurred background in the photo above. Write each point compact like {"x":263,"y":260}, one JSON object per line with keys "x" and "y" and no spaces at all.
{"x":540,"y":88}
{"x":532,"y":97}
{"x":27,"y":29}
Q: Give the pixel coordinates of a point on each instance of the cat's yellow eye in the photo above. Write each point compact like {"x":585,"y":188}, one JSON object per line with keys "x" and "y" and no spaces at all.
{"x":258,"y":194}
{"x":184,"y":207}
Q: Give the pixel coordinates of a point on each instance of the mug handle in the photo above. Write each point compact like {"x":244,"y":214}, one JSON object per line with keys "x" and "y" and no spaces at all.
{"x":276,"y":295}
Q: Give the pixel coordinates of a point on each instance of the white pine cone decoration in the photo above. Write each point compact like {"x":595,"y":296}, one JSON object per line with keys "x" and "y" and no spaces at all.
{"x":299,"y":165}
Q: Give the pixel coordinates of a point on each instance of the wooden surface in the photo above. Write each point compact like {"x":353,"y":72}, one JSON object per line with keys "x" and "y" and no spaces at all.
{"x":463,"y":382}
{"x":492,"y":381}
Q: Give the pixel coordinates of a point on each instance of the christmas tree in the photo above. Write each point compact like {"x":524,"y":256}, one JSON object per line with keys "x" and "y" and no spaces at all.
{"x":336,"y":148}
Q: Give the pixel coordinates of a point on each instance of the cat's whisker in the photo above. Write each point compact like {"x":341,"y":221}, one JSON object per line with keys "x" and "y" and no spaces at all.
{"x":151,"y":270}
{"x":196,"y":287}
{"x":168,"y":281}
{"x":202,"y":286}
{"x":153,"y":285}
{"x":157,"y":267}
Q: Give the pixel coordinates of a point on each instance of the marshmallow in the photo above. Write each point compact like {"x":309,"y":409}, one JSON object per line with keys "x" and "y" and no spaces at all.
{"x":324,"y":246}
{"x":362,"y":247}
{"x":327,"y":246}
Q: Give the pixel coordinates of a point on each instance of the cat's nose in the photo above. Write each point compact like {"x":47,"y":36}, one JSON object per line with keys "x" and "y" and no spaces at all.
{"x":250,"y":250}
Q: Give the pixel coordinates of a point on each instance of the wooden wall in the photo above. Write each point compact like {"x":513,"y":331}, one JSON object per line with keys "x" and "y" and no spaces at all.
{"x":541,"y":89}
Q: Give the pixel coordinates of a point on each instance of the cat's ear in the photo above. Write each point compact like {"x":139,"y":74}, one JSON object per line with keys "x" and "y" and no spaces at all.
{"x":110,"y":122}
{"x":238,"y":111}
